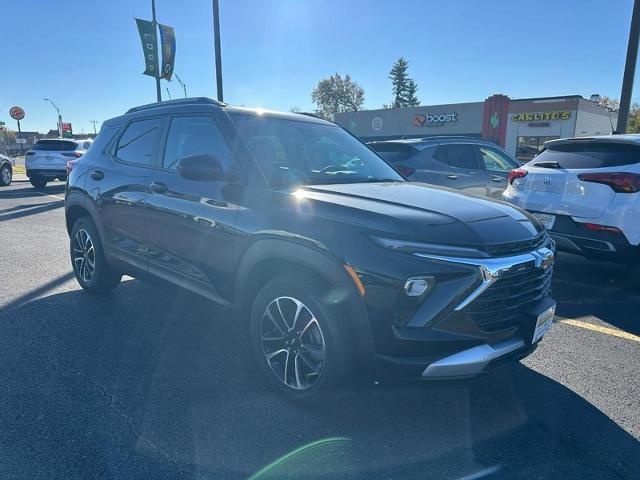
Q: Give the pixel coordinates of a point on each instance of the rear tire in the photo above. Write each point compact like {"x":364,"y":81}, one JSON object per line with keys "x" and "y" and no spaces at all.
{"x":5,"y":176}
{"x":38,"y":182}
{"x":90,"y":266}
{"x":307,"y":357}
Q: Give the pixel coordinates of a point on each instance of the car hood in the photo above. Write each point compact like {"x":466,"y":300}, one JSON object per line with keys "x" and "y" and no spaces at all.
{"x":421,"y":212}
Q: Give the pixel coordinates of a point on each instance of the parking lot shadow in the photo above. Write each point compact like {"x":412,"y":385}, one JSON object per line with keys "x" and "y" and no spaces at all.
{"x":586,"y":288}
{"x":56,"y":188}
{"x":154,"y":383}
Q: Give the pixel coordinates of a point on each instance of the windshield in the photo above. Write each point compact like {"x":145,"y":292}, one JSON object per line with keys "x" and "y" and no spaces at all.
{"x":294,"y":152}
{"x":54,"y":145}
{"x":589,"y":155}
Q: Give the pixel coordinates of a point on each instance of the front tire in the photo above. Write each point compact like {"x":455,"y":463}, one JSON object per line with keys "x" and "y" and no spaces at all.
{"x":90,"y":266}
{"x":5,"y":176}
{"x":38,"y":182}
{"x":298,"y":342}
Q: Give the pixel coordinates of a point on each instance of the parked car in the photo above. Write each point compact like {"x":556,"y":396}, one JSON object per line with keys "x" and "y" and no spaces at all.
{"x":333,"y":262}
{"x":585,"y":192}
{"x":465,"y":163}
{"x":47,"y":159}
{"x":6,"y":170}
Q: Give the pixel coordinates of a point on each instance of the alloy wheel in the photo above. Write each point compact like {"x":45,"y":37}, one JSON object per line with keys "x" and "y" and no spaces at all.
{"x":84,"y":255}
{"x":6,"y":175}
{"x":293,"y":343}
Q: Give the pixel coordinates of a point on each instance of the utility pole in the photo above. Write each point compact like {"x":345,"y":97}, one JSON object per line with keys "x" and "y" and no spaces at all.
{"x":216,"y":39}
{"x":629,"y":69}
{"x":154,"y":22}
{"x":184,"y":87}
{"x":94,"y":122}
{"x":59,"y":116}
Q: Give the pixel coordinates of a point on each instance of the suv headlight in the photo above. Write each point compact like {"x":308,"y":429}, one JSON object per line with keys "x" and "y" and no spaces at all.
{"x":406,"y":246}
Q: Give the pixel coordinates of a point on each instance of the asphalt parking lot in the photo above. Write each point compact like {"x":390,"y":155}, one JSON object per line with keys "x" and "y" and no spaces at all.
{"x":149,"y":382}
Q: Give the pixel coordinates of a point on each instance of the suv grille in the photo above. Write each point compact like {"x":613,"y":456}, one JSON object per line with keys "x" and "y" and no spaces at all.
{"x":501,"y":305}
{"x":515,"y":248}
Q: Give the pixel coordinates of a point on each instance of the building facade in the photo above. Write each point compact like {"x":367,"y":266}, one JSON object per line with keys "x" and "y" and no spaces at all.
{"x":521,"y":126}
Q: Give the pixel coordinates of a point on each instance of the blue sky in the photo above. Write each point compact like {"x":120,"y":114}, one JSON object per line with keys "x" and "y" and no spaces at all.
{"x":86,"y":54}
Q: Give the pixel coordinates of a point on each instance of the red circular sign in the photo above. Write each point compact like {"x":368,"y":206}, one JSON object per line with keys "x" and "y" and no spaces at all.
{"x":16,"y":113}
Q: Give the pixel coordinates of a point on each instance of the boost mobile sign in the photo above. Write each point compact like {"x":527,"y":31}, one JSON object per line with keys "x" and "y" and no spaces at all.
{"x":437,"y":120}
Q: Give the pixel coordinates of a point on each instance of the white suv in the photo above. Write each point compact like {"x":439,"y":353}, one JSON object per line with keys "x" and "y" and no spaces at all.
{"x":585,"y":192}
{"x":48,"y":158}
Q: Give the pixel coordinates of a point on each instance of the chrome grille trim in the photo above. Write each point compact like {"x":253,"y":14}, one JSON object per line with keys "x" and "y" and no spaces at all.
{"x":492,"y":269}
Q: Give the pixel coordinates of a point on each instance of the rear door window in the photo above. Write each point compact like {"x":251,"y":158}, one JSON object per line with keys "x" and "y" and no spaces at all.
{"x":590,"y":155}
{"x":456,"y":155}
{"x":54,"y":145}
{"x":139,"y":141}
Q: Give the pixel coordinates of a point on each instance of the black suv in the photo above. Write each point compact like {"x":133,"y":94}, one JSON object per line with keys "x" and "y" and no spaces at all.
{"x":336,"y":263}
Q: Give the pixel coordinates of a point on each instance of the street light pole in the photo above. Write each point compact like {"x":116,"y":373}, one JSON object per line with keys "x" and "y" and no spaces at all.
{"x":94,"y":122}
{"x":155,"y":29}
{"x":629,"y":69}
{"x":216,"y":39}
{"x":59,"y":116}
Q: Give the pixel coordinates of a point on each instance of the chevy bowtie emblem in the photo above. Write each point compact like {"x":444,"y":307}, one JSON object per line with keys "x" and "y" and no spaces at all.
{"x":543,"y":258}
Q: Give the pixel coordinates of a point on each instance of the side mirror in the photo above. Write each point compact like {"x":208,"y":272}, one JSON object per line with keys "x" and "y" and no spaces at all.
{"x":200,"y":167}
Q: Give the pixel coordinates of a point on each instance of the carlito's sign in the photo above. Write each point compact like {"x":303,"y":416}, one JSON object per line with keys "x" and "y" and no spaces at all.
{"x":540,"y":116}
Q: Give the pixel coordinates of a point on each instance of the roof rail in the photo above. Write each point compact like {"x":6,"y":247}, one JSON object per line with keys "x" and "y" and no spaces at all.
{"x":310,"y":114}
{"x":179,"y":101}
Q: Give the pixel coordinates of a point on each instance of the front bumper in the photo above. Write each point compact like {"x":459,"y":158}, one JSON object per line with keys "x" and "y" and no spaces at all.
{"x":489,"y":323}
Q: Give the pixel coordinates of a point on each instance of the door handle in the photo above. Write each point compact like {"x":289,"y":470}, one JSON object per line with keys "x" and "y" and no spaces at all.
{"x":497,"y":179}
{"x":96,"y":175}
{"x":452,"y":177}
{"x":158,"y":187}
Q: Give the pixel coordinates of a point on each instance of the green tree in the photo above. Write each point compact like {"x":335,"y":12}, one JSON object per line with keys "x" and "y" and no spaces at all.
{"x":404,"y":88}
{"x":336,"y":94}
{"x":412,"y":100}
{"x":633,"y":124}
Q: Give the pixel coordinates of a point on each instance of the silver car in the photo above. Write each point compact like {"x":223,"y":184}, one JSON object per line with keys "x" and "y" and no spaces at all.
{"x":47,"y":159}
{"x":470,"y":164}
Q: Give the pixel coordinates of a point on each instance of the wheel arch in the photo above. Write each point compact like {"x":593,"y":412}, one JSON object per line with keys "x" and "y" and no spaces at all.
{"x":269,"y":257}
{"x":77,"y":206}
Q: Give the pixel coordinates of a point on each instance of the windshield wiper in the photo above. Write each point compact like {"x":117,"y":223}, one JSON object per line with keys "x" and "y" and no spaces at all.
{"x":547,"y":165}
{"x":381,"y":180}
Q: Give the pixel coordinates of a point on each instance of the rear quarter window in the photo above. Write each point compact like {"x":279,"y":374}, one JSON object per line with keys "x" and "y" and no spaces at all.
{"x":590,"y":155}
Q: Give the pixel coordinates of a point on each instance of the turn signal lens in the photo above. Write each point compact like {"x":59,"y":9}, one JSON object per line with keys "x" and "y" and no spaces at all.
{"x":621,"y":182}
{"x":356,"y":279}
{"x":517,"y":173}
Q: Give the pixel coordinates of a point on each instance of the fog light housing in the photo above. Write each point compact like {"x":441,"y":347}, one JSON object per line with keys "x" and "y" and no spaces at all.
{"x":418,"y":286}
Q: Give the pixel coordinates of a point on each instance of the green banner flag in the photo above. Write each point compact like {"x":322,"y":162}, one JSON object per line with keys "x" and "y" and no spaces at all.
{"x":149,"y":47}
{"x":168,"y":43}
